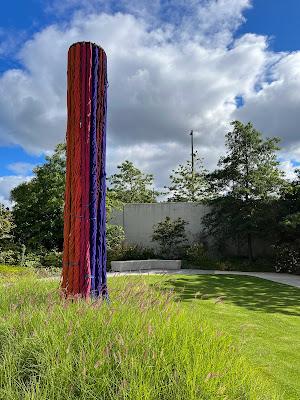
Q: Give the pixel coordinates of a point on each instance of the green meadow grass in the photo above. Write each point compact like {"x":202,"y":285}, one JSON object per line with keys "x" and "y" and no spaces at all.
{"x":11,"y":270}
{"x":143,"y":345}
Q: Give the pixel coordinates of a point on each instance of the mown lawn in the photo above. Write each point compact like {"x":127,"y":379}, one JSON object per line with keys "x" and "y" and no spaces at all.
{"x":263,"y":317}
{"x":210,"y":337}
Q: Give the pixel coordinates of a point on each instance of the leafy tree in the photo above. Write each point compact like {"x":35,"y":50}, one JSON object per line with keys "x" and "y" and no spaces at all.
{"x":290,"y":200}
{"x":38,"y":208}
{"x":115,"y":235}
{"x":246,"y":184}
{"x":170,"y":236}
{"x":131,"y":185}
{"x":189,"y":185}
{"x":287,"y":248}
{"x":8,"y":252}
{"x":39,"y":204}
{"x":6,"y":222}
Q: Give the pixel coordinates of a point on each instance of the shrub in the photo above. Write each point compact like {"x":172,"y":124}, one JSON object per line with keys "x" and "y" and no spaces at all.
{"x":51,"y":259}
{"x":32,"y":260}
{"x":287,"y":258}
{"x":9,"y":257}
{"x":170,"y":237}
{"x":114,"y":237}
{"x":44,"y":259}
{"x":129,"y":252}
{"x":196,"y":254}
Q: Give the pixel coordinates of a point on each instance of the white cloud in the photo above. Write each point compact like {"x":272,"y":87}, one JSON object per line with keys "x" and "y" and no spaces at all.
{"x":289,"y":169}
{"x":165,"y":79}
{"x":21,"y":168}
{"x":208,"y":21}
{"x":7,"y":183}
{"x":275,"y":108}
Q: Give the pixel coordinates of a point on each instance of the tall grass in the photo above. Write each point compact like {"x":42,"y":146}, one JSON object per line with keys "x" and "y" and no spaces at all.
{"x":12,"y":270}
{"x":142,"y":345}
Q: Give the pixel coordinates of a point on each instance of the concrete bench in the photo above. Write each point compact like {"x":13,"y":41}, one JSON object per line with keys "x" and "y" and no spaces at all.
{"x":144,"y":265}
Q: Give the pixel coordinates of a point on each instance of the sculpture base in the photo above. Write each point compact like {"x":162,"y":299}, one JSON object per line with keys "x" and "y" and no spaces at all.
{"x":144,"y":265}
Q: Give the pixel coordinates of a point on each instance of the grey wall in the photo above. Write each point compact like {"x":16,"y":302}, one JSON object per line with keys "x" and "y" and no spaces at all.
{"x":138,"y":220}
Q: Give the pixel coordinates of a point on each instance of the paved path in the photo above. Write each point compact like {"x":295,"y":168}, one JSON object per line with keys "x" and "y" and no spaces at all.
{"x":288,"y":279}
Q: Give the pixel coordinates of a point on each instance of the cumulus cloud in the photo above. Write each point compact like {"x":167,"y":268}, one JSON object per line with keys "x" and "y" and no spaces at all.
{"x":7,"y":183}
{"x":210,"y":21}
{"x":289,"y":169}
{"x":21,"y":168}
{"x":169,"y":71}
{"x":274,"y":109}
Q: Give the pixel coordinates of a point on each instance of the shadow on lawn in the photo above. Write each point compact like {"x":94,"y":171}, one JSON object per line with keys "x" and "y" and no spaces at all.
{"x":245,"y":291}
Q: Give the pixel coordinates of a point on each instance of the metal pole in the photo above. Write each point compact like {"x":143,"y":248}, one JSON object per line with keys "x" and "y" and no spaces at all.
{"x":192,"y":145}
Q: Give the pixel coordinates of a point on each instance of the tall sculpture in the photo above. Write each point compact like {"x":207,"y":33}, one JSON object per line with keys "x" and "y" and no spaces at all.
{"x":84,"y":255}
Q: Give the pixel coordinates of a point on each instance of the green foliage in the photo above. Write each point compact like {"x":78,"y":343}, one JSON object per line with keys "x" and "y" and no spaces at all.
{"x":287,"y":258}
{"x":112,"y":202}
{"x":170,"y":237}
{"x":6,"y":223}
{"x":249,"y":171}
{"x":114,"y":237}
{"x":38,"y":211}
{"x":246,"y":184}
{"x":290,"y":212}
{"x":52,"y":259}
{"x":146,"y":347}
{"x":131,"y":185}
{"x":287,"y":254}
{"x":12,"y":255}
{"x":9,"y":256}
{"x":40,"y":259}
{"x":132,"y":252}
{"x":186,"y":185}
{"x":196,"y":255}
{"x":38,"y":208}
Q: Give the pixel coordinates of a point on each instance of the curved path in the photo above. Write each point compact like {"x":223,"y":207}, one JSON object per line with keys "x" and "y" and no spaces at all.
{"x":287,"y":279}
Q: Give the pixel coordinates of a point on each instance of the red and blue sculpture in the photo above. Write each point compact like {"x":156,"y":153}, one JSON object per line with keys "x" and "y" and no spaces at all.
{"x":84,"y":255}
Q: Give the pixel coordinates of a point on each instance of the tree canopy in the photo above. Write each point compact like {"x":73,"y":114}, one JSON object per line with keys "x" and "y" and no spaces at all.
{"x":38,"y":204}
{"x":246,"y":182}
{"x":6,"y":222}
{"x":187,"y":184}
{"x":131,"y":185}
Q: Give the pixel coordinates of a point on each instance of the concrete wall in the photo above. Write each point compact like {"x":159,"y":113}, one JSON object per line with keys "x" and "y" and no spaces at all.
{"x":138,"y":220}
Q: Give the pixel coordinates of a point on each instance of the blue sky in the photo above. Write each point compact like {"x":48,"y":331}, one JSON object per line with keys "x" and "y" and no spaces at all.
{"x":222,"y":27}
{"x":278,"y":19}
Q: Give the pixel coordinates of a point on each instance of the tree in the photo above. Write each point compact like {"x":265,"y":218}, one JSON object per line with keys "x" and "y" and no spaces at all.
{"x":6,"y":222}
{"x":170,"y":236}
{"x":287,"y":248}
{"x":8,"y":251}
{"x":246,"y":183}
{"x":131,"y":185}
{"x":39,"y":204}
{"x":189,"y":185}
{"x":289,"y":226}
{"x":38,"y":208}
